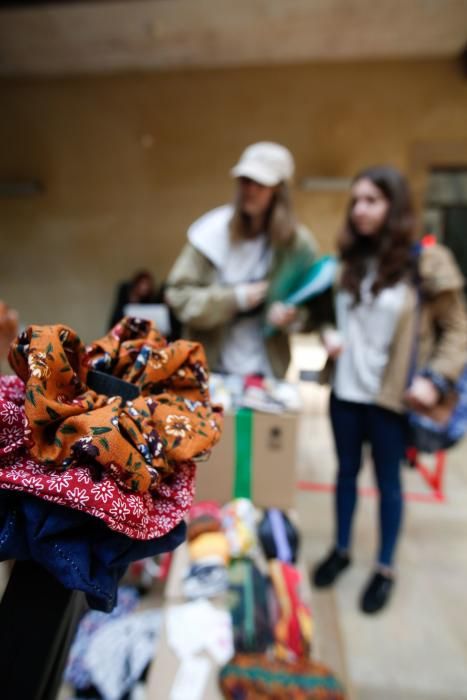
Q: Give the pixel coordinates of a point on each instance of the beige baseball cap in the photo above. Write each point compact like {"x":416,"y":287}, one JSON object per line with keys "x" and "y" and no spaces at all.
{"x":265,"y":162}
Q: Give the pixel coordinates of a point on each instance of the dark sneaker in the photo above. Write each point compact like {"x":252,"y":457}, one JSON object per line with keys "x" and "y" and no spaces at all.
{"x":377,"y":593}
{"x":330,"y":568}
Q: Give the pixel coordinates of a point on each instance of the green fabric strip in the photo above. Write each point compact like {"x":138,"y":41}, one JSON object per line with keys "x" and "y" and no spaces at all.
{"x":243,"y":452}
{"x":249,"y":622}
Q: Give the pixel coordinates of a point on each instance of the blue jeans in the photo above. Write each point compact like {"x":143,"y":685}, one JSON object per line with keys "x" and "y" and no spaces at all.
{"x":354,"y":424}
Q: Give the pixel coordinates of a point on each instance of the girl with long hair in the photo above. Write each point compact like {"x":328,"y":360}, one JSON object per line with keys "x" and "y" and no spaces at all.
{"x":390,"y":289}
{"x":224,"y":285}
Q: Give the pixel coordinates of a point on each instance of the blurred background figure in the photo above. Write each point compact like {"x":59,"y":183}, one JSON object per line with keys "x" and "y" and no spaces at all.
{"x":239,"y":262}
{"x":8,"y":331}
{"x":400,"y":337}
{"x":140,"y":289}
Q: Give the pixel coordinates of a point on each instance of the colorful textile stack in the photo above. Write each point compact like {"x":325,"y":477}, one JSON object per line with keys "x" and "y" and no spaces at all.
{"x":208,"y":551}
{"x":248,"y":602}
{"x":90,"y":479}
{"x":239,"y":525}
{"x":293,"y":628}
{"x":272,"y":625}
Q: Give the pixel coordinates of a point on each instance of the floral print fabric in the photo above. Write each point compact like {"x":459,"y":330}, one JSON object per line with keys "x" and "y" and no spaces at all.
{"x":140,"y":443}
{"x":142,"y":516}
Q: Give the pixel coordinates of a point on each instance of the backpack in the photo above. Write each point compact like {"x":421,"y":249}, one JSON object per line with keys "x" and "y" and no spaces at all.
{"x":446,"y":424}
{"x":432,"y":433}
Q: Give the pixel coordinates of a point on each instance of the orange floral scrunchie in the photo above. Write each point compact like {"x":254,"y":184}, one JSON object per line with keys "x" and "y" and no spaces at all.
{"x":138,"y":442}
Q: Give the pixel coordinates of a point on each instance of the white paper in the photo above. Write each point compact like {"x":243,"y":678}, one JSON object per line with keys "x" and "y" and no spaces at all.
{"x":188,"y":627}
{"x":220,"y":645}
{"x":197,"y":626}
{"x":191,"y":679}
{"x":158,"y":313}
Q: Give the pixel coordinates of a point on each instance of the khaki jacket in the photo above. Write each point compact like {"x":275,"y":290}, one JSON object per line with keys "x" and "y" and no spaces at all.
{"x":442,"y":328}
{"x":206,"y":308}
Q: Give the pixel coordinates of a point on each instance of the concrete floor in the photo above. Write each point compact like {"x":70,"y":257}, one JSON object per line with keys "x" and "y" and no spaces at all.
{"x":416,"y":649}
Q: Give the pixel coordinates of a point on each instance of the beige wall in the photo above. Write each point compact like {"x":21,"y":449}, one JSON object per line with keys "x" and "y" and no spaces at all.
{"x":112,"y":204}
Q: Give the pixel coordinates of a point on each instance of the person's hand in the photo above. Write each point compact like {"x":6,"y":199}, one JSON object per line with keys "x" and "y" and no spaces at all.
{"x":281,"y":315}
{"x":422,"y":393}
{"x":251,"y":294}
{"x":333,"y":343}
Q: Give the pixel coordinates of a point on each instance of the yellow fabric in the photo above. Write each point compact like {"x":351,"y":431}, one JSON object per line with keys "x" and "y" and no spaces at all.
{"x":209,"y":544}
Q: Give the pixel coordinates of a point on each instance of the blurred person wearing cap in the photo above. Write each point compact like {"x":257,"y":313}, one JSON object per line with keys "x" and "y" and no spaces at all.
{"x":224,"y":286}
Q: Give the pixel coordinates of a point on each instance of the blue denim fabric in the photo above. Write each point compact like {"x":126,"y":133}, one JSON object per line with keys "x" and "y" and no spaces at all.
{"x":386,"y":431}
{"x":76,"y":548}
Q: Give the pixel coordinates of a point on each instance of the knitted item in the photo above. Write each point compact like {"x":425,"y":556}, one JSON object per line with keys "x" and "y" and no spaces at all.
{"x":258,"y":677}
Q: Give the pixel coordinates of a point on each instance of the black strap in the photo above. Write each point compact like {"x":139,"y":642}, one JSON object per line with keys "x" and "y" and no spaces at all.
{"x":416,"y":252}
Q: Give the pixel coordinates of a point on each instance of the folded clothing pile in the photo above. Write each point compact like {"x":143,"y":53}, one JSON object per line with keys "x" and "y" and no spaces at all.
{"x":247,"y":561}
{"x":208,"y":551}
{"x":272,"y":625}
{"x":265,"y":394}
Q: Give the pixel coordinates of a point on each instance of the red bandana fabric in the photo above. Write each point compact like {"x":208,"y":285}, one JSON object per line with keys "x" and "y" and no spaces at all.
{"x":141,"y":516}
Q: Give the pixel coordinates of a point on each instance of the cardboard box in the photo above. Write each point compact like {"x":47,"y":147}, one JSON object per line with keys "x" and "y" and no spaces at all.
{"x":273,"y":462}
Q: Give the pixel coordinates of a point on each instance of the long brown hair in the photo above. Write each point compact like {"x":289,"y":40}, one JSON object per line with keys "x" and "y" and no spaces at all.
{"x":391,"y":246}
{"x":280,"y":221}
